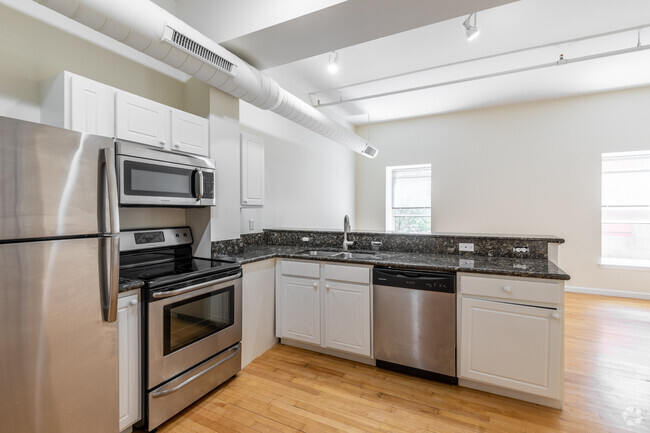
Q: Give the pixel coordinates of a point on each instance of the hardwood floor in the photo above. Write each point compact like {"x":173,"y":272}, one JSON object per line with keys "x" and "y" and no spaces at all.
{"x":607,"y":388}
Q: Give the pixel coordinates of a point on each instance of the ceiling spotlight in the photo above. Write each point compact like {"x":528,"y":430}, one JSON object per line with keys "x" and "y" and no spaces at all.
{"x":471,"y":31}
{"x":333,"y":66}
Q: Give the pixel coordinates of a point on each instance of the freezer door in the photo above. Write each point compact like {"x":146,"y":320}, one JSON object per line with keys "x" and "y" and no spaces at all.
{"x":58,"y":357}
{"x":52,"y":181}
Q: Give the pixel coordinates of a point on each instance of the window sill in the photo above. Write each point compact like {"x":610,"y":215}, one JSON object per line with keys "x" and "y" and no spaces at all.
{"x":627,"y":264}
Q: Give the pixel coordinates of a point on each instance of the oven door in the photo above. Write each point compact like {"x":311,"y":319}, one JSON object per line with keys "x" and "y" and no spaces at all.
{"x":147,"y":182}
{"x":188,"y":325}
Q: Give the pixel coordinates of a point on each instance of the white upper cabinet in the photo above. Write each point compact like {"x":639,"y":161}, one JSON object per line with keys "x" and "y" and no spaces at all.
{"x":189,"y":133}
{"x":74,"y":102}
{"x":252,"y":170}
{"x":141,"y":120}
{"x":90,"y":106}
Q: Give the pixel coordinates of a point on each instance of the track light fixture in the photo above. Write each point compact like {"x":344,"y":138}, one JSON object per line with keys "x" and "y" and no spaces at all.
{"x":333,"y":66}
{"x":471,"y":30}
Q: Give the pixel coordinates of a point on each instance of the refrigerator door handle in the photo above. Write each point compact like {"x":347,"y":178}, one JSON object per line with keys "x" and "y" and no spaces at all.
{"x":111,"y":177}
{"x":111,"y":253}
{"x":111,"y":283}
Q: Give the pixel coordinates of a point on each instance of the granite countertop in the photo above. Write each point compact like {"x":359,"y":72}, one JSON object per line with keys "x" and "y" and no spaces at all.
{"x":518,"y":267}
{"x":127,"y":284}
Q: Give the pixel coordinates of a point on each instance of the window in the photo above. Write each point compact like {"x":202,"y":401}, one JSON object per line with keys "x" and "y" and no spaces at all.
{"x":408,"y":198}
{"x":625,"y":219}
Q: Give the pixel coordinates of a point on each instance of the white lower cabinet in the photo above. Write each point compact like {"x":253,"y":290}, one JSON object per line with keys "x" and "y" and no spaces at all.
{"x":128,"y":340}
{"x":347,"y":317}
{"x":300,"y":309}
{"x":324,"y":304}
{"x":510,"y":335}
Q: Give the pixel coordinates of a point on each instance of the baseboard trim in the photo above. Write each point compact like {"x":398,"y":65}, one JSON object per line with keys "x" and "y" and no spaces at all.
{"x":607,"y":292}
{"x":328,"y":351}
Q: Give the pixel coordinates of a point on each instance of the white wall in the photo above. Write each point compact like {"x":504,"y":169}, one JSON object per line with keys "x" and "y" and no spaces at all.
{"x":530,"y":168}
{"x":309,"y":179}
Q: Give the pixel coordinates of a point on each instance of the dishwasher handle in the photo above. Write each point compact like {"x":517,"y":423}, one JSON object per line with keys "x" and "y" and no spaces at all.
{"x":415,"y":279}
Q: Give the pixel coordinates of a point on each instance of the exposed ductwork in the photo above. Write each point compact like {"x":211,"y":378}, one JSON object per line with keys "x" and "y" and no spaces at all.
{"x":143,"y":25}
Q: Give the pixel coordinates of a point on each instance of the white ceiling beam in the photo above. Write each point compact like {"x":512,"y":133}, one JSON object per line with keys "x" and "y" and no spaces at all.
{"x":345,"y":24}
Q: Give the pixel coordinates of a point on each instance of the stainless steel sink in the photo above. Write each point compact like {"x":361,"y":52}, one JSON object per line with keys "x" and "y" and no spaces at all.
{"x":352,"y":255}
{"x":337,"y":254}
{"x":319,"y":253}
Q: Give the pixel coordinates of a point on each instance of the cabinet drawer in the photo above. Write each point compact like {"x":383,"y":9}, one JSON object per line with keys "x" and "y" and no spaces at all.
{"x":352,"y":274}
{"x":300,"y":269}
{"x":516,"y":289}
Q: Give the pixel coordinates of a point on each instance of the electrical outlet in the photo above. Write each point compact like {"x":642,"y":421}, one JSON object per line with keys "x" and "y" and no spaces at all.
{"x":466,"y":263}
{"x":251,"y":224}
{"x":521,"y":249}
{"x":465,"y":247}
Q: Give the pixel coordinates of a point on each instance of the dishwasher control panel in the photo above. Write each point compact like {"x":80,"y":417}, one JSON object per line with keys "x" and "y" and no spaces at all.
{"x":415,"y":279}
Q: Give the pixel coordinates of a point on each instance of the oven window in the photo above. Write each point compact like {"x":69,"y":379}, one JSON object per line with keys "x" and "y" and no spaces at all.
{"x":156,"y":180}
{"x":193,"y":319}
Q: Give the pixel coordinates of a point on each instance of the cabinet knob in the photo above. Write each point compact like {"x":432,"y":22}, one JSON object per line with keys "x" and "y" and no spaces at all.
{"x":177,"y":146}
{"x":315,"y":285}
{"x":507,"y":289}
{"x":327,"y":286}
{"x":134,"y":302}
{"x":556,"y":316}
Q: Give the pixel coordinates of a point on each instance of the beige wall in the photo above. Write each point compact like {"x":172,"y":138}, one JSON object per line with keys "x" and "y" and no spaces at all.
{"x":529,"y":168}
{"x":32,"y":51}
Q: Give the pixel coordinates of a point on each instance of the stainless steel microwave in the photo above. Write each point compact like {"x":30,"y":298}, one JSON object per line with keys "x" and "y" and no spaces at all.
{"x":149,"y":177}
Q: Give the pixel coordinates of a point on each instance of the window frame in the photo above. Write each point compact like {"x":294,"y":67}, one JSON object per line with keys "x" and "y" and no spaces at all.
{"x":610,"y":262}
{"x":390,"y":223}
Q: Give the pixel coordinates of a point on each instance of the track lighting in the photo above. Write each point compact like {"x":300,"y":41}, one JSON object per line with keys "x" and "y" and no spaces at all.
{"x":333,"y":66}
{"x":471,"y":30}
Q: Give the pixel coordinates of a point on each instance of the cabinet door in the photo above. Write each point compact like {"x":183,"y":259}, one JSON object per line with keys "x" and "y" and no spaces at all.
{"x":300,"y":309}
{"x":512,"y":346}
{"x":89,"y":106}
{"x":347,"y":317}
{"x":190,"y":133}
{"x":128,"y":338}
{"x":141,"y":120}
{"x":252,"y":170}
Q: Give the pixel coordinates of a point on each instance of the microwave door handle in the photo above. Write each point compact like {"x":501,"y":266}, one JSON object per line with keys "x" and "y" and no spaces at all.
{"x":200,"y":185}
{"x":197,"y":184}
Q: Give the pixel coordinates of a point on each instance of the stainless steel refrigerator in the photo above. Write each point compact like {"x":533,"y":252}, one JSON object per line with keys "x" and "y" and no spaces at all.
{"x":59,"y":242}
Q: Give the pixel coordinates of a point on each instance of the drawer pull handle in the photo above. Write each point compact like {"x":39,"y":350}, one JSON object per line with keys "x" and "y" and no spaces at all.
{"x":556,"y":316}
{"x":507,"y":289}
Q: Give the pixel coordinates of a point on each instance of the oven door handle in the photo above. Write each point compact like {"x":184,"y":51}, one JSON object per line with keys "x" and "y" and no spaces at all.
{"x":161,"y":295}
{"x":164,"y":392}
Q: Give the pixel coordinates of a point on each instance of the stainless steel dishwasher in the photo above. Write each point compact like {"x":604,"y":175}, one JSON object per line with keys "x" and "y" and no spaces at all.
{"x":415,"y":322}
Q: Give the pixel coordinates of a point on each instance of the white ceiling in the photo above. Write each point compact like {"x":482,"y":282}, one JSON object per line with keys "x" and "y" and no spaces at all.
{"x":385,"y":42}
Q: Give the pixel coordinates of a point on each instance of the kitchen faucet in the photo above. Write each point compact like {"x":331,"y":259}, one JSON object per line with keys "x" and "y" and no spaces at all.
{"x":346,"y":230}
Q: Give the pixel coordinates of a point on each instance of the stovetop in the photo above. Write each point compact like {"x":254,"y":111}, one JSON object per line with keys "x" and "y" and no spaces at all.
{"x":166,"y":267}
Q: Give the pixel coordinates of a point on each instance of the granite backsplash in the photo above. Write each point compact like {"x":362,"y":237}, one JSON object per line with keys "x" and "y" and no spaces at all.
{"x":438,"y":243}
